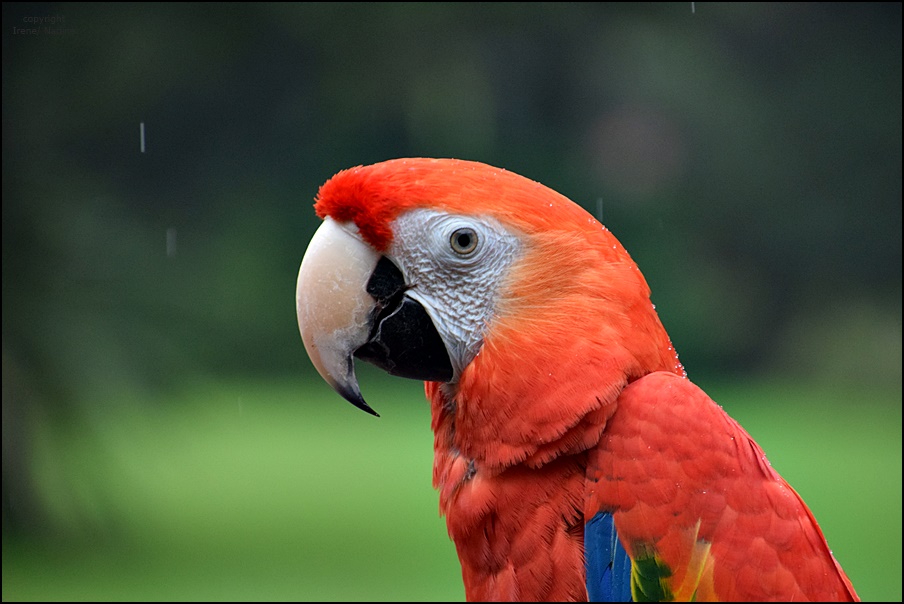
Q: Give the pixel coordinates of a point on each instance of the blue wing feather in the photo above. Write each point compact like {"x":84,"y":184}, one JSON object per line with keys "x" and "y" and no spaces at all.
{"x":608,"y":564}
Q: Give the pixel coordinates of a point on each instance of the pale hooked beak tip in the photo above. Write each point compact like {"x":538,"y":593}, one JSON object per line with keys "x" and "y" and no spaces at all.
{"x":353,"y":395}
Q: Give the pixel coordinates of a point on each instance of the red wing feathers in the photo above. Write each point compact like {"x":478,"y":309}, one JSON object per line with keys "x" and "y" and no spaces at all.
{"x":690,"y":488}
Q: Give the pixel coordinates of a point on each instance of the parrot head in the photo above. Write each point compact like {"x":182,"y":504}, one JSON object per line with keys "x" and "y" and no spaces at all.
{"x":428,"y":268}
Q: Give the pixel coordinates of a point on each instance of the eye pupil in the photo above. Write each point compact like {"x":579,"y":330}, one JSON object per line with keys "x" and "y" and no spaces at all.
{"x":464,"y":241}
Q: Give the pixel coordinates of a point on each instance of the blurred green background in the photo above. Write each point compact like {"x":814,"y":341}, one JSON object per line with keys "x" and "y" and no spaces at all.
{"x":164,"y":435}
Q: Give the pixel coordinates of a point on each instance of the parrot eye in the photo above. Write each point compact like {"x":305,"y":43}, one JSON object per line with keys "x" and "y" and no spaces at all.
{"x":464,"y":241}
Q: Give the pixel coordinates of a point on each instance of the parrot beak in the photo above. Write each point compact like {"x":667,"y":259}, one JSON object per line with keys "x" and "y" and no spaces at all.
{"x":351,"y":301}
{"x":333,"y":306}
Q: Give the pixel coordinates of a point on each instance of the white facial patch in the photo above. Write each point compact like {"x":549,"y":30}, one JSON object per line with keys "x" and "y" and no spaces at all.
{"x":454,"y":265}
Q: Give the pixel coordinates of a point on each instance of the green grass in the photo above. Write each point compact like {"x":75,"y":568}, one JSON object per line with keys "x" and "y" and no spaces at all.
{"x":281,"y":491}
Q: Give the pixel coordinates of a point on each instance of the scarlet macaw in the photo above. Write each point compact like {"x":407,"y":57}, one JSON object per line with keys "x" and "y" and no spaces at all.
{"x":573,"y":457}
